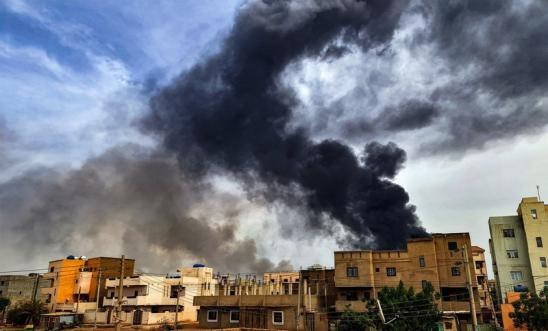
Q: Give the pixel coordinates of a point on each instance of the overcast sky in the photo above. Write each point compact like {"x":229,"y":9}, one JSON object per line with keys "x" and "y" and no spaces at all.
{"x":461,"y":89}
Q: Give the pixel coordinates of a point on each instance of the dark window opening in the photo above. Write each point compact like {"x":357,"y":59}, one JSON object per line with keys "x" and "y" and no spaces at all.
{"x":422,"y":262}
{"x":452,"y":246}
{"x":351,"y":271}
{"x":508,"y":233}
{"x":391,"y":272}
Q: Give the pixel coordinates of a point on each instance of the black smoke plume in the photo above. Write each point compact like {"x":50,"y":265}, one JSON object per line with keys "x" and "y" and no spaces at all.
{"x":230,"y":112}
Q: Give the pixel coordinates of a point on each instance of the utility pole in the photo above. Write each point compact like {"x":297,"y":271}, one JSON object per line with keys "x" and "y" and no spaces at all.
{"x":97,"y":299}
{"x":118,"y":326}
{"x":470,"y":289}
{"x":177,"y":307}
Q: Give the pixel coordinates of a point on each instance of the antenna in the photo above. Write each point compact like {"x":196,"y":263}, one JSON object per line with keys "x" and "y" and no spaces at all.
{"x":538,"y":192}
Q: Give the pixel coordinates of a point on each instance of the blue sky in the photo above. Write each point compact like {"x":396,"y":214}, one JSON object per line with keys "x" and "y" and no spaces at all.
{"x":75,"y":74}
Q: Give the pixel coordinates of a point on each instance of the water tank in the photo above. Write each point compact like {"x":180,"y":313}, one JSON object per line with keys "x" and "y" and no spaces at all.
{"x":70,"y":257}
{"x":198,"y":265}
{"x":520,"y":288}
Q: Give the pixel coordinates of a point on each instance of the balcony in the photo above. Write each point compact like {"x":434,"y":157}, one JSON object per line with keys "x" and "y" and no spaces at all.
{"x":458,"y":306}
{"x":143,"y":301}
{"x":353,"y":305}
{"x":289,"y":300}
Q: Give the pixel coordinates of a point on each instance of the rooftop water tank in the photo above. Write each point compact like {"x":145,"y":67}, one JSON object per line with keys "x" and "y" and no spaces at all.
{"x":198,"y":265}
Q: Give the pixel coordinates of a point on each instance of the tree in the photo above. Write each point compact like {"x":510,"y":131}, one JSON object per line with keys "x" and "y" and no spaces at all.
{"x":353,"y":321}
{"x":410,"y":310}
{"x":531,"y":310}
{"x":4,"y":303}
{"x":26,"y":312}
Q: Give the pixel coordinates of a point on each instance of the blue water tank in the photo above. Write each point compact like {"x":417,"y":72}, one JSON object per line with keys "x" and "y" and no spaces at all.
{"x":198,"y":265}
{"x":520,"y":288}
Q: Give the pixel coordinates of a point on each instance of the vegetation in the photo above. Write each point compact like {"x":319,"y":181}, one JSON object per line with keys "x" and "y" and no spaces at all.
{"x":26,"y":313}
{"x":531,"y":310}
{"x":4,"y":303}
{"x":403,"y":310}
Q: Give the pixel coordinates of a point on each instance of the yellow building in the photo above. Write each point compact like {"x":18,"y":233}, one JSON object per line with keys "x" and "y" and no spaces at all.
{"x":73,"y":280}
{"x":439,"y":260}
{"x":518,"y":248}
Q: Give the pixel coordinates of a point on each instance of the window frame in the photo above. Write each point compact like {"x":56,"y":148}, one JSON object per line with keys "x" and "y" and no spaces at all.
{"x":422,"y":261}
{"x":539,"y":241}
{"x":534,"y":214}
{"x":388,"y":274}
{"x":455,"y":274}
{"x":230,"y":316}
{"x":505,"y":231}
{"x":543,"y":262}
{"x":512,"y":254}
{"x":216,"y":311}
{"x":352,"y":274}
{"x":451,"y":243}
{"x":274,"y":319}
{"x":516,"y":272}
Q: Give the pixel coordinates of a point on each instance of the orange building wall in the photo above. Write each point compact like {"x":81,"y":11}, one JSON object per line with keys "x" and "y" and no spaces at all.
{"x":506,"y":309}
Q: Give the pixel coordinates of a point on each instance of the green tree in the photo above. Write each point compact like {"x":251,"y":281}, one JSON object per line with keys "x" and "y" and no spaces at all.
{"x":410,"y":310}
{"x":26,"y":312}
{"x":531,"y":310}
{"x":353,"y":321}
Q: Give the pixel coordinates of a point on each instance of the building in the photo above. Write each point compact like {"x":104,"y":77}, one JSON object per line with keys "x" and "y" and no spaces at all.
{"x":439,"y":260}
{"x":21,"y":288}
{"x":517,"y":248}
{"x":72,"y":281}
{"x":480,"y":272}
{"x":282,"y":300}
{"x":151,"y":299}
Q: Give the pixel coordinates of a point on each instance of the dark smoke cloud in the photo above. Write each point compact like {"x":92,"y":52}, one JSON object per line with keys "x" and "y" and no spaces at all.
{"x":455,"y":77}
{"x":130,"y":197}
{"x":229,"y":112}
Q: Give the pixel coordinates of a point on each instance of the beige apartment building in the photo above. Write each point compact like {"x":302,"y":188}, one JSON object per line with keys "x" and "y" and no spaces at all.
{"x":518,"y":248}
{"x":480,"y":272}
{"x":439,"y":259}
{"x":153,"y":299}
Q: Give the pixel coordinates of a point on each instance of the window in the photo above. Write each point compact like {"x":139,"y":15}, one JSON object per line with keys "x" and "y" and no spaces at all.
{"x":455,"y":271}
{"x":2,"y":283}
{"x":234,"y":316}
{"x":424,"y":284}
{"x":534,"y":214}
{"x":377,"y":269}
{"x":516,"y":275}
{"x":51,"y":269}
{"x":351,"y":296}
{"x":212,"y":315}
{"x":176,"y":290}
{"x":512,"y":253}
{"x":508,"y":233}
{"x":479,"y":264}
{"x":452,"y":245}
{"x":422,"y":263}
{"x":543,"y":261}
{"x":391,"y":272}
{"x":0,"y":292}
{"x":545,"y":283}
{"x":539,"y":241}
{"x":278,"y":317}
{"x":351,"y":271}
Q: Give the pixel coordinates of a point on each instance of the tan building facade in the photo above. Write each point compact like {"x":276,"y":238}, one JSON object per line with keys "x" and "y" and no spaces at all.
{"x":21,"y":288}
{"x":518,"y":248}
{"x":439,"y":260}
{"x":75,"y":279}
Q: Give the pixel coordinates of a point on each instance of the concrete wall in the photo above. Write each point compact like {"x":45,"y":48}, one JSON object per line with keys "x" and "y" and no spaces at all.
{"x":502,"y":264}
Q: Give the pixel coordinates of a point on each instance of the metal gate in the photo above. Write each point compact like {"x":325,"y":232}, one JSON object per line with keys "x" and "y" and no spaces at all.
{"x":309,"y":323}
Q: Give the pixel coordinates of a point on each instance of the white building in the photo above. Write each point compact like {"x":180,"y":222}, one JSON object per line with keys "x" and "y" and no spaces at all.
{"x":152,"y":299}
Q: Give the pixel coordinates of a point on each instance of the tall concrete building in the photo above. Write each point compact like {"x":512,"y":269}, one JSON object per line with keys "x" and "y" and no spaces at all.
{"x":518,"y":248}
